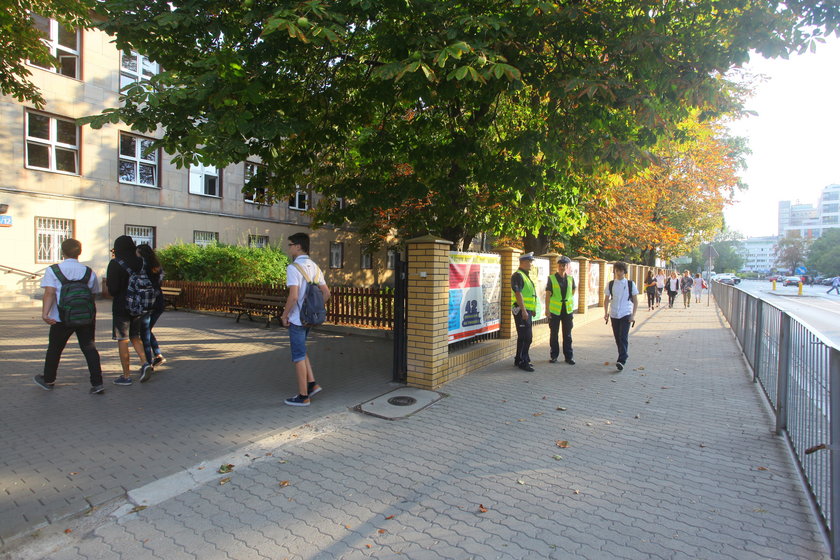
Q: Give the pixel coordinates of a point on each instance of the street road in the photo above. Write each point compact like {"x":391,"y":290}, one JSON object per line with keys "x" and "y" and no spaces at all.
{"x":814,"y":307}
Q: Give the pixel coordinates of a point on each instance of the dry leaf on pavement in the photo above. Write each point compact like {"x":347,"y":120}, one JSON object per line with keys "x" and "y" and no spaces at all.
{"x":481,"y":508}
{"x":284,"y":483}
{"x":562,"y":443}
{"x":226,"y":468}
{"x":225,"y":480}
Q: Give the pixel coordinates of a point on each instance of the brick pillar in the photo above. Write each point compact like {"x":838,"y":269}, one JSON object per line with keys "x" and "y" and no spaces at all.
{"x":602,"y":271}
{"x":583,"y":283}
{"x":428,"y":311}
{"x":510,"y":264}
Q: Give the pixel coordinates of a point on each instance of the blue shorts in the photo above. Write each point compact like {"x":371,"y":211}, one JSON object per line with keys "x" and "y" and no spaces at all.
{"x":297,"y":340}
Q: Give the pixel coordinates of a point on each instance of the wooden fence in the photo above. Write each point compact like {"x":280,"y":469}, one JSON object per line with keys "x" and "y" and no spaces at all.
{"x":369,"y":307}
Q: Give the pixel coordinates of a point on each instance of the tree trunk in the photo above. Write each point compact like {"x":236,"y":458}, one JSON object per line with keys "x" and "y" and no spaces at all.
{"x":538,"y":244}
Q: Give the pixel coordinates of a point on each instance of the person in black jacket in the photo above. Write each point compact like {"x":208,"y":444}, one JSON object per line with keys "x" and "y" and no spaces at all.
{"x":126,"y":326}
{"x":156,"y":276}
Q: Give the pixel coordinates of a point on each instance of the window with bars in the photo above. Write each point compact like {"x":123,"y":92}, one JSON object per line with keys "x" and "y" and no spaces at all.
{"x":367,"y":260}
{"x":205,"y":238}
{"x":257,"y":195}
{"x":298,"y":201}
{"x":63,"y":44}
{"x":138,"y":164}
{"x":142,"y":235}
{"x":258,"y":241}
{"x":205,"y":180}
{"x":135,"y":67}
{"x":52,"y":144}
{"x":336,"y":255}
{"x":49,"y":233}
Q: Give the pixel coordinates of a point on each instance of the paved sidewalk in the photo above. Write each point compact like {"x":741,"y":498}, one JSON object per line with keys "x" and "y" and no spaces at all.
{"x":672,"y":458}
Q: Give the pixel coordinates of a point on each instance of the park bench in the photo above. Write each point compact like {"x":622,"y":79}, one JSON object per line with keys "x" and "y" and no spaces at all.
{"x":258,"y":304}
{"x":170,"y":296}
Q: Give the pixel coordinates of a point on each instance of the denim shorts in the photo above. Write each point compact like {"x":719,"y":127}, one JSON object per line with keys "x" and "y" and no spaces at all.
{"x":126,"y":327}
{"x":297,"y":340}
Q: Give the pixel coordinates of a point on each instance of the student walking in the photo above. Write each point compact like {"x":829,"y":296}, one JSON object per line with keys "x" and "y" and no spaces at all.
{"x":156,"y":276}
{"x":698,"y":287}
{"x":69,"y":308}
{"x":651,"y":290}
{"x":686,"y":283}
{"x":835,"y":285}
{"x":672,"y":286}
{"x":620,"y":304}
{"x":300,"y":275}
{"x":660,"y":286}
{"x":524,"y":306}
{"x":558,"y":301}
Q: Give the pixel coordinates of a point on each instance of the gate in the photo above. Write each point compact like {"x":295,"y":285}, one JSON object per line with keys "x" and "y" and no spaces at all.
{"x":400,"y":318}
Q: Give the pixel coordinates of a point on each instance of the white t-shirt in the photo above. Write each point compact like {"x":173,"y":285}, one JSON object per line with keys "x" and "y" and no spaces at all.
{"x":660,"y":281}
{"x":620,"y":303}
{"x":72,"y":269}
{"x":295,"y":278}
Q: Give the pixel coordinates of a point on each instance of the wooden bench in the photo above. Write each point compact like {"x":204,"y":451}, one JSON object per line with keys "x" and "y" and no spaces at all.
{"x":170,"y":296}
{"x":257,"y":304}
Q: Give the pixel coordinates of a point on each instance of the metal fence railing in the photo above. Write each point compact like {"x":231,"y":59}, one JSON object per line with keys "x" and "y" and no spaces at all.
{"x":799,"y":372}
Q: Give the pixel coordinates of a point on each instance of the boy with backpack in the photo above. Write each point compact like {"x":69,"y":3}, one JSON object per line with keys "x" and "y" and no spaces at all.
{"x":305,"y":308}
{"x":134,"y":296}
{"x":69,"y":307}
{"x":620,"y":304}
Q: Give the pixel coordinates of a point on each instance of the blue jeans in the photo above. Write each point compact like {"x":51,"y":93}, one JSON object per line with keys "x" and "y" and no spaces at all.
{"x":621,"y":332}
{"x":153,"y":343}
{"x":297,"y":341}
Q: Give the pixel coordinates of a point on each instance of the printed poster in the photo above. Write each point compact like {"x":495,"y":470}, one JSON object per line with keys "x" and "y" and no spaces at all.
{"x":475,"y":286}
{"x":594,"y":284}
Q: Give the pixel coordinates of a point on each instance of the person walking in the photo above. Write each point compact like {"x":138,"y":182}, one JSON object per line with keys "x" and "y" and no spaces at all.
{"x":524,"y":305}
{"x":559,"y":292}
{"x":620,"y":303}
{"x":660,"y":286}
{"x":697,"y":287}
{"x":651,"y":290}
{"x":835,"y":285}
{"x":672,"y":286}
{"x":298,"y":276}
{"x":128,"y":325}
{"x":79,"y":317}
{"x":156,"y":276}
{"x":686,"y":283}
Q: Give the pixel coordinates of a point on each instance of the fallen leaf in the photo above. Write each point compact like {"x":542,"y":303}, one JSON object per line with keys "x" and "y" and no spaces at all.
{"x":481,"y":508}
{"x":284,"y":483}
{"x":521,"y":420}
{"x":606,"y":363}
{"x":664,"y":387}
{"x":759,"y":510}
{"x":608,"y":422}
{"x":200,"y":469}
{"x":347,"y":526}
{"x":544,"y":398}
{"x":561,"y":408}
{"x":390,"y":517}
{"x":637,"y":416}
{"x":562,"y":443}
{"x":558,"y":457}
{"x":74,"y":473}
{"x":68,"y":531}
{"x":225,"y":480}
{"x":763,"y":468}
{"x":520,"y":481}
{"x":225,"y":468}
{"x":538,"y":414}
{"x":702,"y":445}
{"x":589,"y":423}
{"x":577,"y":491}
{"x":382,"y":531}
{"x":269,"y":454}
{"x":135,"y":509}
{"x":640,"y":368}
{"x":282,"y":461}
{"x":369,"y":546}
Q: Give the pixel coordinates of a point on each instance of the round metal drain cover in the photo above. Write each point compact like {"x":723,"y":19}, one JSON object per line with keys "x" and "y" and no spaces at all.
{"x":402,"y":401}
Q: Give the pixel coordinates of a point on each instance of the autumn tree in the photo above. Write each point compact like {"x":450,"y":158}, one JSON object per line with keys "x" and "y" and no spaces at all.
{"x":449,"y":118}
{"x":791,"y":250}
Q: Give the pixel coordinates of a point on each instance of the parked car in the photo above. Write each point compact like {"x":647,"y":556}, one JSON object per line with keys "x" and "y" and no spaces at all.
{"x":827,"y":281}
{"x":775,"y":277}
{"x":792,"y":280}
{"x":727,"y":278}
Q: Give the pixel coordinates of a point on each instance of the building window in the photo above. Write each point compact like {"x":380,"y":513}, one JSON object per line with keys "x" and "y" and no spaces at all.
{"x":367,"y":260}
{"x":830,"y":208}
{"x":257,"y":195}
{"x":49,"y":233}
{"x":142,"y":235}
{"x":829,"y":219}
{"x":336,"y":255}
{"x":831,"y":196}
{"x":391,"y":263}
{"x":205,"y":180}
{"x":258,"y":241}
{"x":135,"y":68}
{"x":205,"y":238}
{"x":138,"y":164}
{"x":298,"y":201}
{"x":63,"y":44}
{"x":52,"y":144}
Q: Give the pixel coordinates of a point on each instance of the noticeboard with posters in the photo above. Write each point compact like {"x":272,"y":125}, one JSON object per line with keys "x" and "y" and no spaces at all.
{"x":594,"y":285}
{"x":475,"y":286}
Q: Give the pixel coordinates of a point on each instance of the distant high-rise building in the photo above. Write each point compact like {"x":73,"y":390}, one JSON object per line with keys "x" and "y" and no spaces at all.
{"x":810,"y":220}
{"x":759,"y":253}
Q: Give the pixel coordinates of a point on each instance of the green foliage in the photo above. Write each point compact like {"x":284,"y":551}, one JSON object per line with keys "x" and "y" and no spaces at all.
{"x":224,"y":263}
{"x":728,"y":259}
{"x":791,"y":251}
{"x":824,"y":255}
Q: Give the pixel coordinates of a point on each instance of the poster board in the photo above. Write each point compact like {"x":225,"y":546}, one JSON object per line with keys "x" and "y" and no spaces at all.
{"x":475,"y":286}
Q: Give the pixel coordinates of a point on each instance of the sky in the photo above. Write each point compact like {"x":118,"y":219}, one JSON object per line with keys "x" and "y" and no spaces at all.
{"x":795,"y":139}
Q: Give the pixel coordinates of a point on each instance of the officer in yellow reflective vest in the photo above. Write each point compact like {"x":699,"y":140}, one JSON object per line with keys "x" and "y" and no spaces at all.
{"x":558,"y":300}
{"x":524,"y":304}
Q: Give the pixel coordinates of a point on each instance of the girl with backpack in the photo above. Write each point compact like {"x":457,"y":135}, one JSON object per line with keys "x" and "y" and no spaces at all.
{"x":650,"y":290}
{"x":156,"y":276}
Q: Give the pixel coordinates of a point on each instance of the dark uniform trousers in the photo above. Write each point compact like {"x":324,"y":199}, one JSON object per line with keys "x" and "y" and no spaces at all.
{"x":566,"y":320}
{"x":524,"y":337}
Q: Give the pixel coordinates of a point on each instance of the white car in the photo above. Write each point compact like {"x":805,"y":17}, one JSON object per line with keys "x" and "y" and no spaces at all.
{"x":726,"y":278}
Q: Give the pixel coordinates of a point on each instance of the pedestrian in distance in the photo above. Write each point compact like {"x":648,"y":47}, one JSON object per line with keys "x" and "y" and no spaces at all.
{"x":620,"y":304}
{"x":686,"y":283}
{"x":69,"y":307}
{"x":660,"y":286}
{"x":698,"y":287}
{"x":672,"y":286}
{"x":651,"y":290}
{"x":156,"y":276}
{"x":835,"y":285}
{"x":302,"y":275}
{"x":559,"y":292}
{"x":129,"y":284}
{"x":523,"y":300}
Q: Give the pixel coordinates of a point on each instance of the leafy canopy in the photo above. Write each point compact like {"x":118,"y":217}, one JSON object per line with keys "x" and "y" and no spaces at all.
{"x":824,"y":253}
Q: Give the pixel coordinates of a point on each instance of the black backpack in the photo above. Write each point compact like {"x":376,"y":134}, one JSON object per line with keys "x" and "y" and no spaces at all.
{"x":313,"y":310}
{"x":140,"y":295}
{"x":76,"y":306}
{"x":629,"y":289}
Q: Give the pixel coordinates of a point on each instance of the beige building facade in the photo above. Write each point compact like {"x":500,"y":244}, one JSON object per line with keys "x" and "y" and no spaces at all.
{"x":60,"y":180}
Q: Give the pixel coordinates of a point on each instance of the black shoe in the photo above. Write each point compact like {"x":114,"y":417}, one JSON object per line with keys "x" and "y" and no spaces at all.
{"x":526,"y":367}
{"x":570,"y":361}
{"x":39,"y":379}
{"x":619,"y":366}
{"x":146,"y":372}
{"x":552,"y":361}
{"x":97,"y":390}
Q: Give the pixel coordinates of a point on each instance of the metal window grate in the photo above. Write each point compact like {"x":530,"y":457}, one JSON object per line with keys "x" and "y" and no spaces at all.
{"x":49,"y":233}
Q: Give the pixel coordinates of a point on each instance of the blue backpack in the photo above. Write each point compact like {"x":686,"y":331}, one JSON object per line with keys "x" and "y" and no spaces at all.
{"x":313,"y":309}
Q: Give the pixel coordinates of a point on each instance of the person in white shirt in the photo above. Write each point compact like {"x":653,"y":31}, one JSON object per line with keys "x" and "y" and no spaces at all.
{"x":299,"y":251}
{"x":660,"y":285}
{"x":60,"y":332}
{"x":620,"y":304}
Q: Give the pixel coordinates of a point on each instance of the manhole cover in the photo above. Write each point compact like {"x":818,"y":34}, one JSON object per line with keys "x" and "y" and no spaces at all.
{"x":402,"y":401}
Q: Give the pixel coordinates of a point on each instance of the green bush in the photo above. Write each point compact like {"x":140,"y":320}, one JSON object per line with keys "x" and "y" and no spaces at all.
{"x":224,"y":263}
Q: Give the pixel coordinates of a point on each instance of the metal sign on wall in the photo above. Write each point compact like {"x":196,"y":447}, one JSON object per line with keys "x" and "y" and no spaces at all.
{"x":5,"y":220}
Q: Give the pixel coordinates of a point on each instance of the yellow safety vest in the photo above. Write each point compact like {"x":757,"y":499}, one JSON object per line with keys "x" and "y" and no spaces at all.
{"x":558,"y":301}
{"x":529,"y":294}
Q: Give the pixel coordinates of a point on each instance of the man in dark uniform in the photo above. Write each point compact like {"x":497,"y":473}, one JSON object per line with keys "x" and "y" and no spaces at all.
{"x":524,"y":305}
{"x":558,"y":301}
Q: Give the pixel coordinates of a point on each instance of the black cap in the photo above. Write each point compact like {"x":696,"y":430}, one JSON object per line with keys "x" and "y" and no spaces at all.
{"x":564,"y":260}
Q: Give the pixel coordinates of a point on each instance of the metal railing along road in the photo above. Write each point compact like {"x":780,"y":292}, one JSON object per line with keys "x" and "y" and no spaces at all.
{"x":799,"y":371}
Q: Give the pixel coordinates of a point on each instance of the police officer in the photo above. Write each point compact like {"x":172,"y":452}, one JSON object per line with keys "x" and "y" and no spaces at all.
{"x":558,"y":300}
{"x":524,"y":304}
